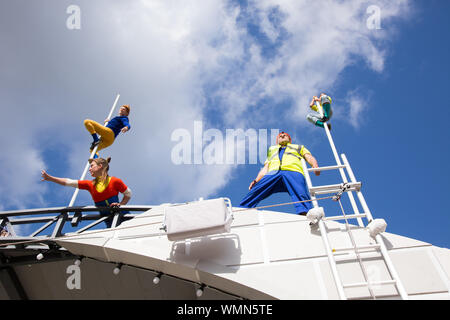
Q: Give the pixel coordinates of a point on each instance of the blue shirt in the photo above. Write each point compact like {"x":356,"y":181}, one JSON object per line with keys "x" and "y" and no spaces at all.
{"x":281,"y":152}
{"x":117,"y":123}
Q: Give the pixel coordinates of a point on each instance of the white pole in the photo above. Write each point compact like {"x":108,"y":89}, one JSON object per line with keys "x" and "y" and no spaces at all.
{"x":75,"y":194}
{"x":338,"y":162}
{"x":358,"y":193}
{"x":308,"y":182}
{"x":325,"y":240}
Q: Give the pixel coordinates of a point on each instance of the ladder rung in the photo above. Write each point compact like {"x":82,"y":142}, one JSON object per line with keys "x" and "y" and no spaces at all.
{"x":352,"y":256}
{"x":348,"y":216}
{"x":327,"y":168}
{"x":371,"y":246}
{"x":333,"y":188}
{"x":363,"y":284}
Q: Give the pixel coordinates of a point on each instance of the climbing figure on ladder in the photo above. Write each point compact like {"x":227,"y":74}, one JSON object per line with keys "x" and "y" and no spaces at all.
{"x":109,"y":132}
{"x":316,"y":118}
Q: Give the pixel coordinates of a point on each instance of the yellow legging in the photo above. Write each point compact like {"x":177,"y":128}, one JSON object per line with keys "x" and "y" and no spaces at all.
{"x":107,"y":135}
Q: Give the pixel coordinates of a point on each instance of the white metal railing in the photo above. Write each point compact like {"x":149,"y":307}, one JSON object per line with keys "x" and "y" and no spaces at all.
{"x":51,"y":216}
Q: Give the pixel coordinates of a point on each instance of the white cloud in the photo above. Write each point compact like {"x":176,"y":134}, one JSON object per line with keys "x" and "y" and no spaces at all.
{"x":20,"y":174}
{"x":175,"y":62}
{"x":321,"y":39}
{"x":357,"y":104}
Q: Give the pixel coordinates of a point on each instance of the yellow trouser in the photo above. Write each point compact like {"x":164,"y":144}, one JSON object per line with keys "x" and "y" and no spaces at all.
{"x":107,"y":135}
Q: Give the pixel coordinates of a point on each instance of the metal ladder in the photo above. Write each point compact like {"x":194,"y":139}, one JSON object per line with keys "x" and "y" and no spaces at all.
{"x":349,"y":187}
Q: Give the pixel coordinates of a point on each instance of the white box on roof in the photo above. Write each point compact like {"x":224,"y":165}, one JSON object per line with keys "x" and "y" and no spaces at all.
{"x":197,"y":219}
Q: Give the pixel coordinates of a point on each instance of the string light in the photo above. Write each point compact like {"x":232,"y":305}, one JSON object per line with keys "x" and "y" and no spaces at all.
{"x":157,"y":278}
{"x":199,"y":291}
{"x":116,"y":270}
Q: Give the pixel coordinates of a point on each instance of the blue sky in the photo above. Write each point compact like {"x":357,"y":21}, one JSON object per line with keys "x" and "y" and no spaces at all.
{"x":230,"y":64}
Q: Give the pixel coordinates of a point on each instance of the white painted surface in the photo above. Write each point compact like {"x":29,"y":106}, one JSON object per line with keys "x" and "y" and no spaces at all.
{"x":293,"y":264}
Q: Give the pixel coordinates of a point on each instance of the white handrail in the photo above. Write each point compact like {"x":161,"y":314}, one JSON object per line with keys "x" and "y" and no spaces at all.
{"x":325,"y":240}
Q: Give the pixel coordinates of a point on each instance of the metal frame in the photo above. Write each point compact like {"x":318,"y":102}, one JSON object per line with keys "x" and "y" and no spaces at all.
{"x":59,"y":216}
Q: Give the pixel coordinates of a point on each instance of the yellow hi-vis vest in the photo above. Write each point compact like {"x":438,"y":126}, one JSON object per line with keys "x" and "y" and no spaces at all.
{"x":291,"y":158}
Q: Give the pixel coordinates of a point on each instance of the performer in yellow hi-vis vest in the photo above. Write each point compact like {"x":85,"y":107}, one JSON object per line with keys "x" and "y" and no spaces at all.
{"x":282,"y":172}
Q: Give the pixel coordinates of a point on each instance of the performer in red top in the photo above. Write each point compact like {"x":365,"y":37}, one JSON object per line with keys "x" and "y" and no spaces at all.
{"x":104,"y":189}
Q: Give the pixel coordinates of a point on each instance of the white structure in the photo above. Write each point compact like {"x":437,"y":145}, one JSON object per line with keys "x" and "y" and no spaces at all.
{"x":266,"y":255}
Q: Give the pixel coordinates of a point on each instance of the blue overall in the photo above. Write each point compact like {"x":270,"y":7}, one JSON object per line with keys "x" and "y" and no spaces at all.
{"x":280,"y":181}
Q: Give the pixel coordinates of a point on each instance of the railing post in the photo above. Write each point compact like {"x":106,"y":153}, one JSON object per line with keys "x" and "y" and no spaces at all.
{"x":57,"y":231}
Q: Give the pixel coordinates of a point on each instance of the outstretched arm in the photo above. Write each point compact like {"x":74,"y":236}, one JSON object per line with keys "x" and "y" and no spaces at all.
{"x":61,"y":181}
{"x":312,"y":162}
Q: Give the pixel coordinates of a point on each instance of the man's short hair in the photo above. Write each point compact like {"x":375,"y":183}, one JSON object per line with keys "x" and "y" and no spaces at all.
{"x":126,"y":106}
